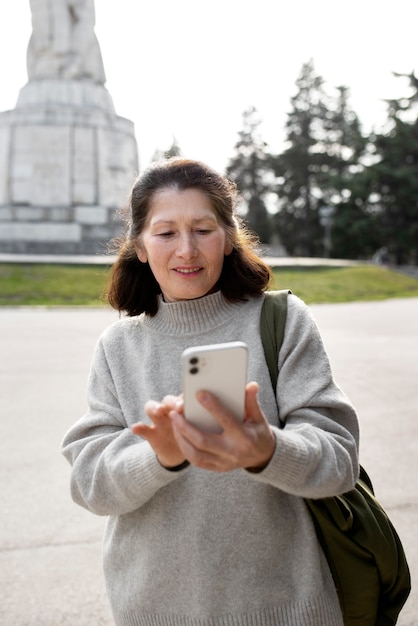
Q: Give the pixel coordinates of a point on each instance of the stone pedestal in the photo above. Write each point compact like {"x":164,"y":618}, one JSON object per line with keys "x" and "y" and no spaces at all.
{"x":67,"y":163}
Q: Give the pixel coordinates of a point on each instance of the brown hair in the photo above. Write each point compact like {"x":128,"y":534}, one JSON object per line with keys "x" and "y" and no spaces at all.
{"x":132,"y":287}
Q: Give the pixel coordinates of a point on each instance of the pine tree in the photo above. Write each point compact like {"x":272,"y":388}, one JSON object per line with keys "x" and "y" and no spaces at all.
{"x":297,"y":170}
{"x":324,"y":143}
{"x":250,"y":169}
{"x":173,"y":151}
{"x":354,"y":233}
{"x":393,"y":180}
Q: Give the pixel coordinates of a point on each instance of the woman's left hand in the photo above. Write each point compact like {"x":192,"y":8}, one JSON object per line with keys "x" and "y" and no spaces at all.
{"x":248,"y":444}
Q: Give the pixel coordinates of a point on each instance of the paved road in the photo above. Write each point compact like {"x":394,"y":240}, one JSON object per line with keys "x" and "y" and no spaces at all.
{"x":50,"y":564}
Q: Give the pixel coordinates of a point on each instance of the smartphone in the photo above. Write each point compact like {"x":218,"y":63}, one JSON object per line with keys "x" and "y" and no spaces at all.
{"x":221,"y":369}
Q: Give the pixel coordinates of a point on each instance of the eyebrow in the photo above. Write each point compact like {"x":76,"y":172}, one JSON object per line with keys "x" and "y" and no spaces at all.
{"x":209,"y":218}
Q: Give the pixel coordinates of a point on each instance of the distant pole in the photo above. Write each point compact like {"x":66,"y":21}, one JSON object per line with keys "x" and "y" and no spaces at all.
{"x":326,"y":219}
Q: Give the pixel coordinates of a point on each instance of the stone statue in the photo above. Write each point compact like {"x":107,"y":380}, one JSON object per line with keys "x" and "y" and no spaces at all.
{"x":63,"y":43}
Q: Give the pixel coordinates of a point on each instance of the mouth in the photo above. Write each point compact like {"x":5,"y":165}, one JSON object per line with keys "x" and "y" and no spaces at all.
{"x":187,"y":271}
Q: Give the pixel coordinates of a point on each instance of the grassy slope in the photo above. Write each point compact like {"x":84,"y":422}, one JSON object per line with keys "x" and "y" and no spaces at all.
{"x":49,"y":285}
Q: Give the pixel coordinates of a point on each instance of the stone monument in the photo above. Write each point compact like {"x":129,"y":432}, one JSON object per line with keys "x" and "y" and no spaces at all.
{"x":67,"y":161}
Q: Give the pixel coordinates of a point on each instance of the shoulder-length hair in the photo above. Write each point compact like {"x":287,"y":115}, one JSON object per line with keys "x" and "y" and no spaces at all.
{"x":132,"y":287}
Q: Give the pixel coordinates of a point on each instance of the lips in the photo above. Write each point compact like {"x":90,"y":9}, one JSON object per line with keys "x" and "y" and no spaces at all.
{"x":187,"y":270}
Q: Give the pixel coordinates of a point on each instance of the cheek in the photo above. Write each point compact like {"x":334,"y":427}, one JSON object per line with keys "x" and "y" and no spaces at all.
{"x":218,"y":258}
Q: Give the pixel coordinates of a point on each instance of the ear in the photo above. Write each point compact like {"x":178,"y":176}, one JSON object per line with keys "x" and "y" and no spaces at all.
{"x":141,"y":254}
{"x":228,"y":248}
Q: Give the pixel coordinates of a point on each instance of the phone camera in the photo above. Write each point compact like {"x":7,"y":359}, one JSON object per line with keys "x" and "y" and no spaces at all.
{"x":193,"y":362}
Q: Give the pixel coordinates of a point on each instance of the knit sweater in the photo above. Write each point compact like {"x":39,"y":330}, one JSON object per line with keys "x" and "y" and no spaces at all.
{"x":200,"y":548}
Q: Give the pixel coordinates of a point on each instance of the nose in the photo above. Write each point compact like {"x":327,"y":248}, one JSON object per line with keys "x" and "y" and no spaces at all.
{"x":187,"y":248}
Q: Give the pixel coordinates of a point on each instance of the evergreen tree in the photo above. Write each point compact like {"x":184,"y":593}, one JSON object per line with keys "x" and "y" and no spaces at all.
{"x":296,"y":168}
{"x":345,"y":144}
{"x":354,"y":233}
{"x":392,"y":181}
{"x":173,"y":151}
{"x":324,"y":143}
{"x":249,"y":168}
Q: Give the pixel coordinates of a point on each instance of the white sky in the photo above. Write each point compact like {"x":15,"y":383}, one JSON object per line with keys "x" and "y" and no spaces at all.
{"x":188,"y":69}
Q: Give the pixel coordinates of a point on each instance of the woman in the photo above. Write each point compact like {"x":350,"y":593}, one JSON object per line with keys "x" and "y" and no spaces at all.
{"x":207,"y":529}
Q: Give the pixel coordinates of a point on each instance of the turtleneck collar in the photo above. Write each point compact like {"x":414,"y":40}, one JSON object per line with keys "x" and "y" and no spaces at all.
{"x":190,"y":316}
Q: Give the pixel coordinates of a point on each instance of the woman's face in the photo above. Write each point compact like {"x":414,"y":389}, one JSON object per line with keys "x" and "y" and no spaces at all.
{"x":184,"y":243}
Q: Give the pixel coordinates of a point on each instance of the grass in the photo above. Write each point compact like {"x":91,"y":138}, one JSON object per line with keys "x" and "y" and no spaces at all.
{"x":82,"y":285}
{"x":345,"y":284}
{"x":51,"y":285}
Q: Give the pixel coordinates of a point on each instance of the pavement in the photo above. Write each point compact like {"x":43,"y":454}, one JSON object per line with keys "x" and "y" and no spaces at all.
{"x":50,"y":549}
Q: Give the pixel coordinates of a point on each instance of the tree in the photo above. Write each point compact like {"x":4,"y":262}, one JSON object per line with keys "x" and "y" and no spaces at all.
{"x":345,"y":144}
{"x":173,"y":151}
{"x":354,"y":233}
{"x":324,"y":143}
{"x":393,"y":182}
{"x":296,"y":168}
{"x":249,"y":168}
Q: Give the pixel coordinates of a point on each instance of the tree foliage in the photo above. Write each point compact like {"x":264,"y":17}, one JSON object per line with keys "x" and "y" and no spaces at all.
{"x":173,"y":151}
{"x":323,"y":144}
{"x":369,"y":183}
{"x":392,"y":181}
{"x":249,"y":168}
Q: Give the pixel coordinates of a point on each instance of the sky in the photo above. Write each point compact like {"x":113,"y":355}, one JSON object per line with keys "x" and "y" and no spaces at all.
{"x":189,"y":69}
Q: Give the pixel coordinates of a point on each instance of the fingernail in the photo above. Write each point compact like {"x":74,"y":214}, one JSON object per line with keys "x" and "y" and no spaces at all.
{"x":203,"y":397}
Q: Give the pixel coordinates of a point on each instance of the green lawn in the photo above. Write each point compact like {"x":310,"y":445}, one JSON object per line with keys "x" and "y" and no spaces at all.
{"x":345,"y":284}
{"x":64,"y":285}
{"x":49,"y":285}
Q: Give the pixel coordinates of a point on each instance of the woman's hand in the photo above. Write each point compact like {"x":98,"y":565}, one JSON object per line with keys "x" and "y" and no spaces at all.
{"x":249,"y":444}
{"x":160,"y":434}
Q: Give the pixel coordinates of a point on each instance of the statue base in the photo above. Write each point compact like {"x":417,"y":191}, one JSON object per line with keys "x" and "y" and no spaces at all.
{"x":67,"y":163}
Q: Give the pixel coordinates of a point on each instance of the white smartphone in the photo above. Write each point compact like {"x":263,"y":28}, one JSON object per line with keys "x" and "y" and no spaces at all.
{"x":221,"y":369}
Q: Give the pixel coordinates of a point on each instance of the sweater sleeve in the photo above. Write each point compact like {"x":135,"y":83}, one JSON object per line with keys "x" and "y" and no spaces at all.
{"x":316,"y":452}
{"x":113,"y":470}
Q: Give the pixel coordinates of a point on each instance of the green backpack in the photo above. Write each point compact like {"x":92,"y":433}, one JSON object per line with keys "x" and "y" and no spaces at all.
{"x":364,"y":552}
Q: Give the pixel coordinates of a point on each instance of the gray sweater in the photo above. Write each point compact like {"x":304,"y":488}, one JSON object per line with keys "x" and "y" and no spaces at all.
{"x":199,"y":548}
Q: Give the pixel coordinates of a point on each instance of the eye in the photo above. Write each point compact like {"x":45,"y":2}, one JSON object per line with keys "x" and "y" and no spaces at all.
{"x":165,"y":235}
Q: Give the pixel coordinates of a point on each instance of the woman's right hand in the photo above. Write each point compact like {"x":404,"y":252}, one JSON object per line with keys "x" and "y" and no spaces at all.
{"x":159,"y":433}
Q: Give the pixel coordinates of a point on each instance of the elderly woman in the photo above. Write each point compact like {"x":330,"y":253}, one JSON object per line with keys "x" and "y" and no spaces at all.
{"x":207,"y":529}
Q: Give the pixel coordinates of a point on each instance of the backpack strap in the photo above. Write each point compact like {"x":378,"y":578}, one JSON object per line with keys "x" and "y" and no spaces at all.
{"x":364,"y":552}
{"x":272,"y":325}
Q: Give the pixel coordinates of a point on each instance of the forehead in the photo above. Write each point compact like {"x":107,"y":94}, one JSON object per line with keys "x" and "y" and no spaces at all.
{"x":172,"y":202}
